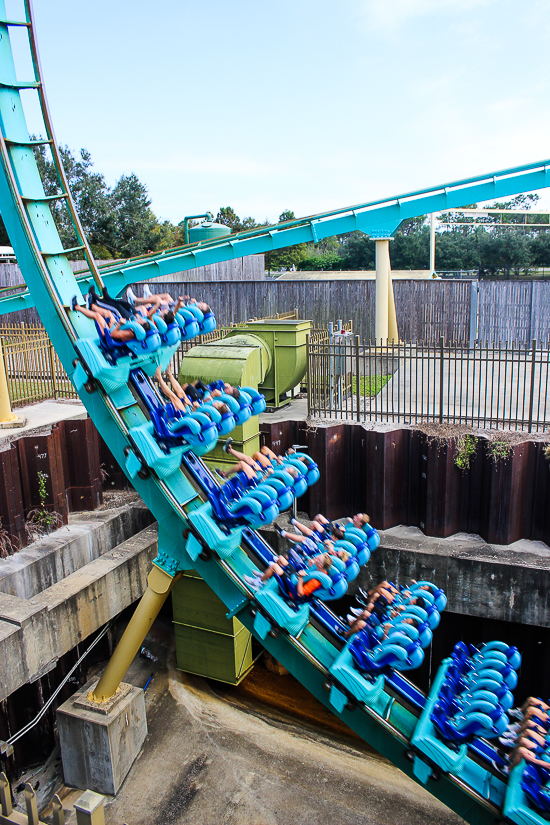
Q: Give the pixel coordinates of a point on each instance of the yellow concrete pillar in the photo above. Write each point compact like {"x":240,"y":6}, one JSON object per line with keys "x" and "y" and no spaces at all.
{"x":393,"y":332}
{"x":158,"y":589}
{"x":382,"y":253}
{"x":7,"y":417}
{"x":385,"y":317}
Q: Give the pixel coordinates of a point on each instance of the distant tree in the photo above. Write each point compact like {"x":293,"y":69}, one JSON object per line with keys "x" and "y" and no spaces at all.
{"x":288,"y":256}
{"x":358,"y":252}
{"x":504,"y":251}
{"x":287,"y":215}
{"x":539,"y":247}
{"x":133,"y":225}
{"x":228,"y":217}
{"x":90,"y":194}
{"x":411,"y":226}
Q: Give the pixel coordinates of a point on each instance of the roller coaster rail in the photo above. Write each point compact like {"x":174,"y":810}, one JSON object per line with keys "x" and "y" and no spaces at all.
{"x":178,"y":494}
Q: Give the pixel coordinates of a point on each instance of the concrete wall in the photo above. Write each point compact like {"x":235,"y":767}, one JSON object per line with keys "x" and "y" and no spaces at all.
{"x":36,"y":632}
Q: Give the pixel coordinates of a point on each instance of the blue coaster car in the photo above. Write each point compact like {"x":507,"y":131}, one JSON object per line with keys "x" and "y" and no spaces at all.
{"x":352,"y":569}
{"x":224,"y":543}
{"x":194,"y":429}
{"x":170,"y":334}
{"x":206,"y":320}
{"x":312,"y":474}
{"x":297,"y":486}
{"x":360,"y":543}
{"x":440,"y":599}
{"x":277,"y":611}
{"x":527,"y":800}
{"x":305,"y":465}
{"x":329,"y":589}
{"x":347,"y":681}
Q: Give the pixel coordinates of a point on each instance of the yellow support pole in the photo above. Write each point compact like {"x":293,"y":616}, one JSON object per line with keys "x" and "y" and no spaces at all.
{"x":385,"y":317}
{"x":7,"y":417}
{"x":158,"y":589}
{"x":382,"y":253}
{"x":393,"y":332}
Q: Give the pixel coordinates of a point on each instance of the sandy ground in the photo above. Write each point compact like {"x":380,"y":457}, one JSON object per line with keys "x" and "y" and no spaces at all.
{"x":232,"y":760}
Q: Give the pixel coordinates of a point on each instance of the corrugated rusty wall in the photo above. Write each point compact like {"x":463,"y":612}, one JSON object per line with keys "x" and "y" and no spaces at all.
{"x":71,"y":457}
{"x":401,"y":477}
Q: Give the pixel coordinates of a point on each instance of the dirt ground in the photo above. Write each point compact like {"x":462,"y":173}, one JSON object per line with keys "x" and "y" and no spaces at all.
{"x":220,"y":755}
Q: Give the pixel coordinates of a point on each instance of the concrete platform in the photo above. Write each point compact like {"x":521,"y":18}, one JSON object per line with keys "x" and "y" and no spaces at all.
{"x":44,"y":414}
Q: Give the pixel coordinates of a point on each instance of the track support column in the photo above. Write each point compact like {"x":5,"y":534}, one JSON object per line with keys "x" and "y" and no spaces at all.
{"x":385,"y":317}
{"x":159,"y":586}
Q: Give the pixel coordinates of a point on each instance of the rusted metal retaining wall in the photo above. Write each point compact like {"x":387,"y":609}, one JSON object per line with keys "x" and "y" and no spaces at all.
{"x":74,"y":460}
{"x":402,"y":477}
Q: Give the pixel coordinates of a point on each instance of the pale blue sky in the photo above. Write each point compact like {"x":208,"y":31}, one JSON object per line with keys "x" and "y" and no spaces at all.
{"x":296,"y":104}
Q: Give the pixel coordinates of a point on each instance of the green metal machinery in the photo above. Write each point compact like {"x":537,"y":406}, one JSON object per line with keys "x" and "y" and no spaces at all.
{"x":267,"y":355}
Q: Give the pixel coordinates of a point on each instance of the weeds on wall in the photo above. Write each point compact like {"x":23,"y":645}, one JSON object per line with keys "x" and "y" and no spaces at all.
{"x":42,"y":521}
{"x":8,"y":544}
{"x":465,"y":449}
{"x":498,"y":450}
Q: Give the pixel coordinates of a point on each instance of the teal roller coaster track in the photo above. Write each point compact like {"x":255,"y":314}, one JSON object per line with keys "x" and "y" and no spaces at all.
{"x":394,"y":718}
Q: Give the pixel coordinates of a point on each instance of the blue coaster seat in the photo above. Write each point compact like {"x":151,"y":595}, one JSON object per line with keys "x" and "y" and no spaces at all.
{"x":257,"y":400}
{"x":364,"y":689}
{"x":189,"y":326}
{"x":224,"y":543}
{"x":527,"y":800}
{"x":398,"y":653}
{"x":440,"y":599}
{"x":312,"y":469}
{"x":450,"y":756}
{"x":254,"y":508}
{"x":291,"y":617}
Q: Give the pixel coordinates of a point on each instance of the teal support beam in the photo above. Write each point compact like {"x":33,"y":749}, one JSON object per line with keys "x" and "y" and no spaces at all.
{"x":375,"y":218}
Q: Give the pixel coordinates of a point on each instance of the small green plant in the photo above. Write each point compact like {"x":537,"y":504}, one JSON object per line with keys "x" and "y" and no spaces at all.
{"x":41,"y":521}
{"x":465,"y":449}
{"x":546,"y":452}
{"x":498,"y":450}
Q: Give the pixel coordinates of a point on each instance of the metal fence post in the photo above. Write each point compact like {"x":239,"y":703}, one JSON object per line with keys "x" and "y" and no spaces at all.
{"x":308,"y":373}
{"x":89,"y":809}
{"x":357,"y":378}
{"x":5,"y":796}
{"x":474,"y":304}
{"x":52,"y":369}
{"x":532,"y":392}
{"x":441,"y":393}
{"x":31,"y":806}
{"x":58,"y":812}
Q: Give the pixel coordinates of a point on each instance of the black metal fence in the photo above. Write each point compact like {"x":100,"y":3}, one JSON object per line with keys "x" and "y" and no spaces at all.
{"x":480,"y":386}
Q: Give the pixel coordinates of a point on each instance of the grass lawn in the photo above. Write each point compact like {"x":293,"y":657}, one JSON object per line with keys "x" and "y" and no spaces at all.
{"x":26,"y":391}
{"x":370,"y":385}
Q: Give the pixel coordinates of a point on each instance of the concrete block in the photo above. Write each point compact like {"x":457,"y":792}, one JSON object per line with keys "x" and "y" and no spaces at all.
{"x":100,"y":743}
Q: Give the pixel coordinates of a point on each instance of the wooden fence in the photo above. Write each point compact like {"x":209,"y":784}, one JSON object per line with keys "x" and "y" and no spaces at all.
{"x":33,"y":369}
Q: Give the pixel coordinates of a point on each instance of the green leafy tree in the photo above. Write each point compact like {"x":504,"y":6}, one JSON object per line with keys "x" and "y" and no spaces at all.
{"x":133,"y":225}
{"x":288,"y":256}
{"x":90,"y":194}
{"x":228,"y":217}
